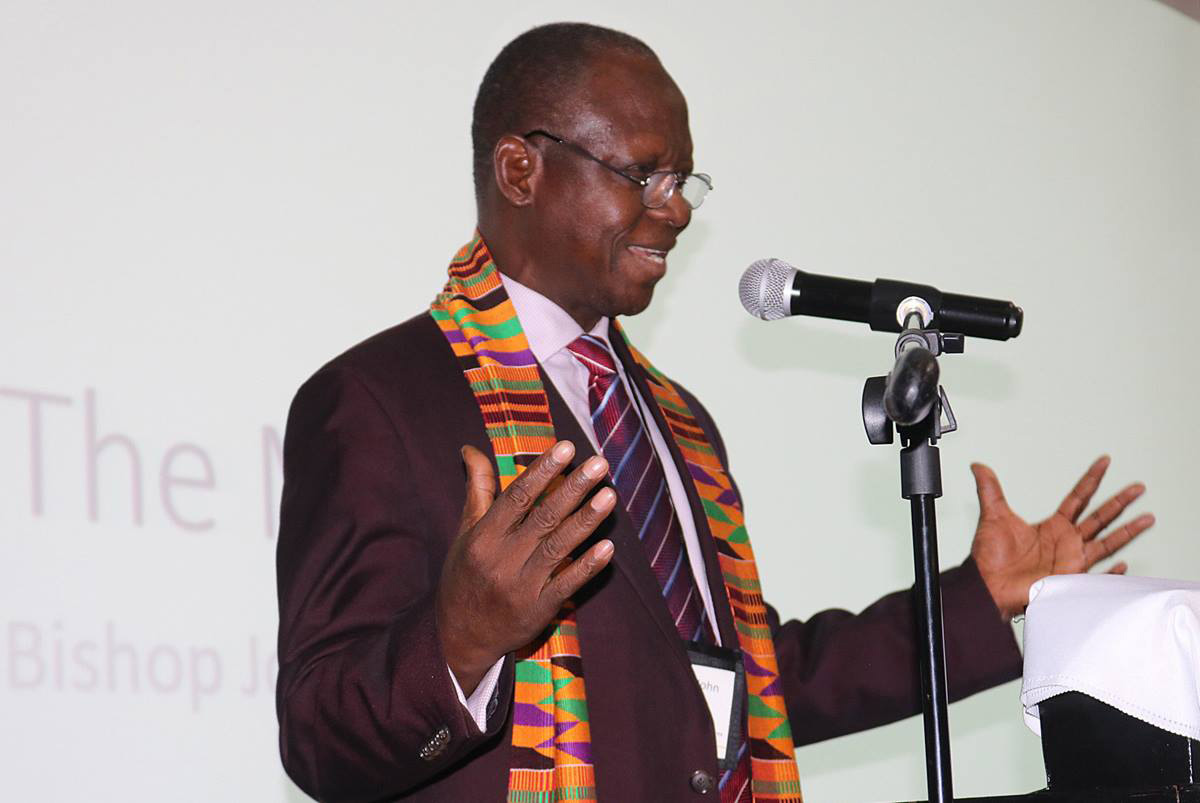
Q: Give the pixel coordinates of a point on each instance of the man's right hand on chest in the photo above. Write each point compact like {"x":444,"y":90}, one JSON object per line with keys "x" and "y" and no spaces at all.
{"x":509,"y":571}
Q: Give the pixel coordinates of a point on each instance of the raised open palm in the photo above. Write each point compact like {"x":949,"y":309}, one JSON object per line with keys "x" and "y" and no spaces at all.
{"x":1012,"y":554}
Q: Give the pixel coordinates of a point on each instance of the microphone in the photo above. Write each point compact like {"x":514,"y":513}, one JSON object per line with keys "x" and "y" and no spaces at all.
{"x":772,"y":289}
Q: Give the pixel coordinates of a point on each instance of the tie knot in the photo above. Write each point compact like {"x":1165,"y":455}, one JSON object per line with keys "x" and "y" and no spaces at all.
{"x":593,"y":352}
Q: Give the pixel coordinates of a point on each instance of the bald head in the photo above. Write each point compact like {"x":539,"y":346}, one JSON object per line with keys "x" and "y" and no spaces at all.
{"x":533,"y":81}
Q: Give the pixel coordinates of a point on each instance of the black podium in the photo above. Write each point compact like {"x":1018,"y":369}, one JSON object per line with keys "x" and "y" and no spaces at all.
{"x":1095,"y":753}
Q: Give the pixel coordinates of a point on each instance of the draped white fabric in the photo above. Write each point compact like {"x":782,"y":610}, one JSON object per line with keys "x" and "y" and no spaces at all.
{"x":1131,"y":642}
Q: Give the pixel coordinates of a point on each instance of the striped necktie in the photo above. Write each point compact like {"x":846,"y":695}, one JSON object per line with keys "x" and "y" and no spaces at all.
{"x":637,"y":475}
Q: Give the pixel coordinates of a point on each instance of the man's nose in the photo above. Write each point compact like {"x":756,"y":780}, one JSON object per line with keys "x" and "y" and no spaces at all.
{"x":675,"y":211}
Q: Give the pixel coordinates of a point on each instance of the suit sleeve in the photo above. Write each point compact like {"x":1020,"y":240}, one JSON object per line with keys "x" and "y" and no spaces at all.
{"x":844,"y":672}
{"x":367,"y":708}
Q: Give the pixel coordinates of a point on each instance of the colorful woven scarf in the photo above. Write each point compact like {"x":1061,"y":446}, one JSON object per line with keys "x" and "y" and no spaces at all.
{"x":551,"y":756}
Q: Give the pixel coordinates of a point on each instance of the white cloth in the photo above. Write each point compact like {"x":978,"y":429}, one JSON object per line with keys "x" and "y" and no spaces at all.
{"x":549,"y":330}
{"x":1130,"y":642}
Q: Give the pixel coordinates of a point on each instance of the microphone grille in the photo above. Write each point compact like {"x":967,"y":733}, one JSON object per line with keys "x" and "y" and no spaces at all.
{"x":763,"y":289}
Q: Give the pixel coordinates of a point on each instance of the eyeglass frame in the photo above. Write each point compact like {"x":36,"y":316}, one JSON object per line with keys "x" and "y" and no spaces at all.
{"x":680,"y":177}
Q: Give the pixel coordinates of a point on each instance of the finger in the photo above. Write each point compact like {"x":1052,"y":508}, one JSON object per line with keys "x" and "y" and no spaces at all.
{"x":1107,"y":513}
{"x":572,"y":578}
{"x":1100,"y":548}
{"x":558,"y":504}
{"x":481,"y":485}
{"x":1119,"y":568}
{"x":512,"y":505}
{"x":1077,"y":500}
{"x":553,"y":550}
{"x":987,"y":486}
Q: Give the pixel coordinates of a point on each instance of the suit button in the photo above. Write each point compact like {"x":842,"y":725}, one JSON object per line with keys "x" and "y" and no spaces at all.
{"x":702,"y":783}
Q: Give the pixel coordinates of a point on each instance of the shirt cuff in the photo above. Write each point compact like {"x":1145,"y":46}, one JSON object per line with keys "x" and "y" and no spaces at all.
{"x":477,"y":703}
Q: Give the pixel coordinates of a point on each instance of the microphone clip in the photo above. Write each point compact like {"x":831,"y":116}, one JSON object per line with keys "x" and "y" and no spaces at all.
{"x":933,"y":341}
{"x":909,"y":399}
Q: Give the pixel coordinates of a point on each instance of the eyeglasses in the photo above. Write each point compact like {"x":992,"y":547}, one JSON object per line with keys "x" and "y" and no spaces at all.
{"x":658,"y":187}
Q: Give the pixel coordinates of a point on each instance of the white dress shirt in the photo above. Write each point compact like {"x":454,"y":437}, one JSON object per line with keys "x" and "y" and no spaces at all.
{"x":549,"y":330}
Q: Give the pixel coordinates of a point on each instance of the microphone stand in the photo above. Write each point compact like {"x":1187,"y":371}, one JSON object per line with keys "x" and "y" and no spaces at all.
{"x":910,"y":401}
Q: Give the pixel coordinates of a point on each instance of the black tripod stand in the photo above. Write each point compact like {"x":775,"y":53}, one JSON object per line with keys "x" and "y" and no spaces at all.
{"x":910,"y":401}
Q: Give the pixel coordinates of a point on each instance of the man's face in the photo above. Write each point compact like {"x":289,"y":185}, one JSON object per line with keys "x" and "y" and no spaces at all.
{"x":601,"y":251}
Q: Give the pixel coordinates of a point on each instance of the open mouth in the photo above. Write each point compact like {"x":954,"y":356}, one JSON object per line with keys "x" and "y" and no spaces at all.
{"x":653,"y":254}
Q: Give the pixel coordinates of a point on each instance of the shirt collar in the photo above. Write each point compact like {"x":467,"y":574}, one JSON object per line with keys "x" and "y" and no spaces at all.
{"x":548,"y":327}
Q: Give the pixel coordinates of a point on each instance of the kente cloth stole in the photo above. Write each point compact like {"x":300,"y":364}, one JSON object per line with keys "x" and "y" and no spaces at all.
{"x":551,"y":742}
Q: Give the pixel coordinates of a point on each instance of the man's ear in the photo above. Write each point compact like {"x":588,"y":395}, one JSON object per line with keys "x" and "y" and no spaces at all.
{"x":516,"y":167}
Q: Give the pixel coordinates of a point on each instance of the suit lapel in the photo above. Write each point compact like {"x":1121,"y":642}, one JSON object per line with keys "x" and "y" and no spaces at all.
{"x":708,"y":549}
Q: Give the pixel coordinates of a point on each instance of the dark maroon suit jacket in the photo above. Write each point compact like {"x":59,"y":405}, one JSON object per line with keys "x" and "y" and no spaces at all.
{"x":373,"y":492}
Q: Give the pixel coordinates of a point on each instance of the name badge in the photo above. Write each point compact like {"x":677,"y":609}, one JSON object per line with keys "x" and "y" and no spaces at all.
{"x":722,"y":680}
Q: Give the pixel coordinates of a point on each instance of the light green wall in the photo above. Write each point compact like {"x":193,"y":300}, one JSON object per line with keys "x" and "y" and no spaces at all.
{"x":204,"y":202}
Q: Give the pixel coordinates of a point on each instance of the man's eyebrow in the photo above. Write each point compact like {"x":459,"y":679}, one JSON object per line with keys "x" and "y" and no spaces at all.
{"x":654,"y":163}
{"x":648,"y":157}
{"x":642,"y":165}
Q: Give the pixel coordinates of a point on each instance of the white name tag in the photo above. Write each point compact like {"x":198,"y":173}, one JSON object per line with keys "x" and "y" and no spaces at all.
{"x":722,"y":680}
{"x":718,"y":686}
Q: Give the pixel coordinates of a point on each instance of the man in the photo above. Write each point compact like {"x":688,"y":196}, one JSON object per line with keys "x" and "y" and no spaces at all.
{"x":539,"y":640}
